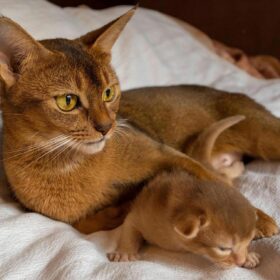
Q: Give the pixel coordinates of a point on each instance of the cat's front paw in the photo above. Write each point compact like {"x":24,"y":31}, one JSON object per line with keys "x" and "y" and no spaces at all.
{"x":252,"y":260}
{"x":122,"y":257}
{"x":266,"y":226}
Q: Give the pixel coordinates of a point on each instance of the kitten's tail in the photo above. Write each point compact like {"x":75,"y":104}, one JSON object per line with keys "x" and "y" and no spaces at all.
{"x":203,"y":146}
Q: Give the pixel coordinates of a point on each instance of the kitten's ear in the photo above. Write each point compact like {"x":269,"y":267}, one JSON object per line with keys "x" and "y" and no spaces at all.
{"x":17,"y":48}
{"x":189,"y":225}
{"x":105,"y":37}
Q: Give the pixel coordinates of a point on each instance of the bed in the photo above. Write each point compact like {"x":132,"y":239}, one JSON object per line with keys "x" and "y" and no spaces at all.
{"x":153,"y":50}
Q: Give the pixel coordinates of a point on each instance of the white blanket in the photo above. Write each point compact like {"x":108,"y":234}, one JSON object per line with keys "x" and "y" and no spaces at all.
{"x":153,"y":50}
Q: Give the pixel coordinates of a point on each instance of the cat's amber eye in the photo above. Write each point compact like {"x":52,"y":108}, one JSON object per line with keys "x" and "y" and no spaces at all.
{"x":67,"y":102}
{"x":108,"y":94}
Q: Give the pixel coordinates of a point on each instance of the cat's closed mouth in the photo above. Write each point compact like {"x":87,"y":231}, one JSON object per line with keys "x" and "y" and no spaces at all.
{"x":94,"y":142}
{"x":92,"y":147}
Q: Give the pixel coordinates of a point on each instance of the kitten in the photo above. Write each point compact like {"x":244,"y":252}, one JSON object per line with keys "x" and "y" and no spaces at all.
{"x":66,"y":155}
{"x":179,"y":213}
{"x":192,"y":204}
{"x":184,"y":111}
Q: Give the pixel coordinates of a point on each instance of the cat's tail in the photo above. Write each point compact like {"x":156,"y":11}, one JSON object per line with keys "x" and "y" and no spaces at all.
{"x":202,"y":148}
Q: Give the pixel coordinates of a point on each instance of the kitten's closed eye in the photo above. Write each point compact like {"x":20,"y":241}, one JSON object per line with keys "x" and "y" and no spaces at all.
{"x":222,"y":250}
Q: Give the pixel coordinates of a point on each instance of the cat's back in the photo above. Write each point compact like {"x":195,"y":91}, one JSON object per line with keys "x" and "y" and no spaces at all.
{"x":159,"y":93}
{"x":169,"y":114}
{"x":175,"y":114}
{"x":166,"y":100}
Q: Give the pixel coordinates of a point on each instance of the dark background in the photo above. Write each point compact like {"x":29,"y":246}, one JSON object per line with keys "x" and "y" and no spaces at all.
{"x":252,"y":25}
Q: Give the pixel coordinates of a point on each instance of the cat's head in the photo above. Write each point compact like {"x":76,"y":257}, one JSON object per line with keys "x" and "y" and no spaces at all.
{"x":218,"y":226}
{"x":60,"y":89}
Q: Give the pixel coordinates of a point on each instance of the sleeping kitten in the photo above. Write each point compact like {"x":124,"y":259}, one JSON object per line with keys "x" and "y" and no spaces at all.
{"x":179,"y":213}
{"x":183,"y":208}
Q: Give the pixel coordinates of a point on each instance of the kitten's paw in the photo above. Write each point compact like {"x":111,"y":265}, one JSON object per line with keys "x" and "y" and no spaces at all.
{"x":252,"y":260}
{"x":266,"y":226}
{"x":122,"y":257}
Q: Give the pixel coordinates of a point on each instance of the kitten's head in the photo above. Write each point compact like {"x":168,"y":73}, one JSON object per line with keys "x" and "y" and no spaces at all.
{"x":60,"y":89}
{"x":216,"y":222}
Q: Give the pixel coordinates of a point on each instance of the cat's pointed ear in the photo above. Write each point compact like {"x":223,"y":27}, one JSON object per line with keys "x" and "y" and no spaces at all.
{"x":189,"y":225}
{"x":105,"y":37}
{"x":17,"y":48}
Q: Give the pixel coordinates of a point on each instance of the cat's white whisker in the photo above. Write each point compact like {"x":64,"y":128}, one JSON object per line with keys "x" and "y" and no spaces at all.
{"x":37,"y":145}
{"x":36,"y":148}
{"x":67,"y":146}
{"x":55,"y":147}
{"x":122,"y":123}
{"x":120,"y":132}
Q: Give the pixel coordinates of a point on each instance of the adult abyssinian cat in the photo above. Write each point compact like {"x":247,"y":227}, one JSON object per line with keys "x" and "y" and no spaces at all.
{"x":64,"y":152}
{"x":181,"y":213}
{"x":66,"y":155}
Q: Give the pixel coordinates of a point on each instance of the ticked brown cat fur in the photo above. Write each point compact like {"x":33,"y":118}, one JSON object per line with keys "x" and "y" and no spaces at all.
{"x":66,"y":155}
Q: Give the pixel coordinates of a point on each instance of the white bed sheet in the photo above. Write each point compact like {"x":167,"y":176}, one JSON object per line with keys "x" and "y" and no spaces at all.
{"x":153,"y":50}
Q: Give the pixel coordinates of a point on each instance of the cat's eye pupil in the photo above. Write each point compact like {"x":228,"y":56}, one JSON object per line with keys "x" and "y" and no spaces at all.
{"x":68,"y":99}
{"x":108,"y":92}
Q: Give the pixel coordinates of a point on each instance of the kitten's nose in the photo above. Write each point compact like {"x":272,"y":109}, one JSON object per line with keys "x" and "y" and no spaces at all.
{"x":103,"y":128}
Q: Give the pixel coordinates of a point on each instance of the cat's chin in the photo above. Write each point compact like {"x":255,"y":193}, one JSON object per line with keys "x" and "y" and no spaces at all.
{"x":92,"y":148}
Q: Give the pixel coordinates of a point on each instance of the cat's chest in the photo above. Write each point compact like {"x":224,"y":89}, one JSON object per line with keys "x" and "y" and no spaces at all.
{"x":63,"y":193}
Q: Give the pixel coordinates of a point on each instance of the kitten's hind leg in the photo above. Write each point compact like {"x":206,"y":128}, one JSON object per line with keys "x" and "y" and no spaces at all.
{"x":129,"y":243}
{"x":228,"y":164}
{"x":266,"y":226}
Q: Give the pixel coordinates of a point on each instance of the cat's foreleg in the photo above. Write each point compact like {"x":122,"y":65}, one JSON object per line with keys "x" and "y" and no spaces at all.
{"x":105,"y":219}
